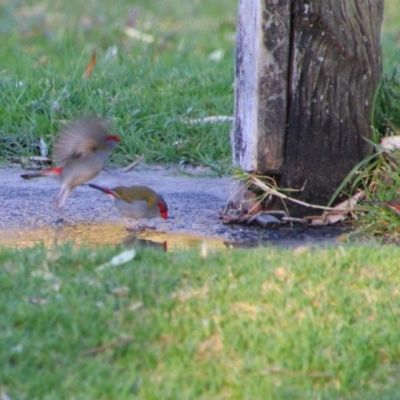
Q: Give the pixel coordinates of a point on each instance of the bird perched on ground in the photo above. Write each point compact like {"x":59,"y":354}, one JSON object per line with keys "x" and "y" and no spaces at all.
{"x":80,"y":151}
{"x":137,"y":202}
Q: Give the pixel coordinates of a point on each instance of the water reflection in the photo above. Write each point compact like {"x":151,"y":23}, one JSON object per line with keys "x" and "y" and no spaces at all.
{"x":103,"y":234}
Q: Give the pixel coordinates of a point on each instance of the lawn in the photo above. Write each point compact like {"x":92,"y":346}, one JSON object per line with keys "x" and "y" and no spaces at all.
{"x":183,"y":68}
{"x":391,"y":35}
{"x":261,"y":324}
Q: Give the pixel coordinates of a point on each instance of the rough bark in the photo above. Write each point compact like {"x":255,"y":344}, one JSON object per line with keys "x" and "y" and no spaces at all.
{"x":262,"y":64}
{"x":314,"y":91}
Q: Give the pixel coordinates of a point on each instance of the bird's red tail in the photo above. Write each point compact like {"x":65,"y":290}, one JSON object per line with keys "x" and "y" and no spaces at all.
{"x":102,"y":189}
{"x":56,"y":171}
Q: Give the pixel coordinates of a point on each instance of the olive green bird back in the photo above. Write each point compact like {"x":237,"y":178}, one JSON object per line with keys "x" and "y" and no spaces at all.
{"x":133,"y":193}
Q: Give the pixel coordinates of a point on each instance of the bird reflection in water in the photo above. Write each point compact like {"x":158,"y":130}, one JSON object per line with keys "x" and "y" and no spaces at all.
{"x":96,"y":235}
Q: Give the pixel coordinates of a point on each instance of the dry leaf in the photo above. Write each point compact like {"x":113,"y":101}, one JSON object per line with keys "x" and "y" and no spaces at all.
{"x":246,"y":308}
{"x":119,"y":259}
{"x":301,"y":250}
{"x":217,"y":55}
{"x":280,"y":273}
{"x":90,"y":66}
{"x":189,"y":293}
{"x":206,"y":250}
{"x":390,"y":143}
{"x":44,"y":150}
{"x":210,"y":347}
{"x":120,"y":291}
{"x":135,"y":306}
{"x":344,"y":207}
{"x":43,"y":60}
{"x":318,"y":221}
{"x":111,"y":53}
{"x":136,"y":34}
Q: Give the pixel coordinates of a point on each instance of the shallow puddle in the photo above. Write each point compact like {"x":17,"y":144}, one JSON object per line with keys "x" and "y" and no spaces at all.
{"x":103,"y":234}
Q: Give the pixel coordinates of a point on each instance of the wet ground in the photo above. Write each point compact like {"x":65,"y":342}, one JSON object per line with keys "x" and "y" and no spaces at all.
{"x":195,"y":197}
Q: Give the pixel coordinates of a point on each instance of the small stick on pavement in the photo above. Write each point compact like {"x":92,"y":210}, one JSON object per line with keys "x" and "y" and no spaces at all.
{"x":133,"y":165}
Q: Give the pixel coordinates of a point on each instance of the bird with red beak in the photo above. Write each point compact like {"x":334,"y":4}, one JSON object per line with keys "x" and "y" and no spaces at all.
{"x":136,"y":202}
{"x":81,"y":150}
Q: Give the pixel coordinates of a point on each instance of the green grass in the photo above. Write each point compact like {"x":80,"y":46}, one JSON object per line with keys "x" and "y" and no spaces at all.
{"x":390,"y":35}
{"x":378,"y":175}
{"x":146,"y":90}
{"x":265,"y":324}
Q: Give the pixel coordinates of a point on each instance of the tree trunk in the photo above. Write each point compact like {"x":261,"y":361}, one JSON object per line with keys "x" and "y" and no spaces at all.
{"x":306,"y":75}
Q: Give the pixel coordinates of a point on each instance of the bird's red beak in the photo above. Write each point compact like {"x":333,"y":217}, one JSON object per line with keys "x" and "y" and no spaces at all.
{"x":163,"y":210}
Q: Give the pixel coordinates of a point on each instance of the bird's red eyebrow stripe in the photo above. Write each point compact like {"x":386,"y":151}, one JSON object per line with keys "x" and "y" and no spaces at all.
{"x":113,"y":137}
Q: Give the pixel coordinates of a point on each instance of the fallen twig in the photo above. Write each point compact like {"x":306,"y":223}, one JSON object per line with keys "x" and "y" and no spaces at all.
{"x":209,"y":120}
{"x":269,"y":190}
{"x":33,"y":159}
{"x":277,"y":370}
{"x":133,"y":165}
{"x":106,"y":346}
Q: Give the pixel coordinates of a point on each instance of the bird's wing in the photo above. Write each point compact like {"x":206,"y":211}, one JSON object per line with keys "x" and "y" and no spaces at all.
{"x":78,"y":139}
{"x":134,"y":193}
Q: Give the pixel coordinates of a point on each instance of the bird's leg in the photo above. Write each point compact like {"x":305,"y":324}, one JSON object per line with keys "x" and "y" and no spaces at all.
{"x":62,"y":196}
{"x":138,"y":227}
{"x":144,"y":226}
{"x":131,"y":227}
{"x":60,"y":200}
{"x":60,"y":213}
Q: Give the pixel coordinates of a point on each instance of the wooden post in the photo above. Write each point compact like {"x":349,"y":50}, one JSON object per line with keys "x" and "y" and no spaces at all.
{"x":306,"y":74}
{"x":262,"y":63}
